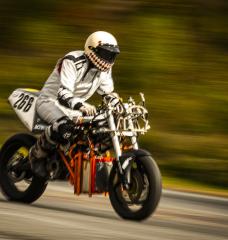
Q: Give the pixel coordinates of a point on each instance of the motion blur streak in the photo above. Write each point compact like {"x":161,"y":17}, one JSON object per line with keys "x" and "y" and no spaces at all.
{"x":59,"y":215}
{"x":174,"y":51}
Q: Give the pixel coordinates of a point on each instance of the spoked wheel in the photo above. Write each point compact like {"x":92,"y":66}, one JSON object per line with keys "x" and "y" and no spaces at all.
{"x":16,"y":179}
{"x":140,"y":201}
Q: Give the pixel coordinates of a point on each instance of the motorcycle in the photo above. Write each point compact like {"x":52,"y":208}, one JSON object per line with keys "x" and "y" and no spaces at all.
{"x":103,"y":158}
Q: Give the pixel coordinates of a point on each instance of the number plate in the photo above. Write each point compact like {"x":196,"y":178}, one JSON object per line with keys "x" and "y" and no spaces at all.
{"x":23,"y":103}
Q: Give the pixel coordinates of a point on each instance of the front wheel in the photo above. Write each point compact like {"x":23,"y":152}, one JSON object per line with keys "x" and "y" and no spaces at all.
{"x":16,"y":179}
{"x":141,"y":200}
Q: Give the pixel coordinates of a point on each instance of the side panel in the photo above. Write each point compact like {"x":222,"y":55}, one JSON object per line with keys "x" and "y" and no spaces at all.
{"x":23,"y":102}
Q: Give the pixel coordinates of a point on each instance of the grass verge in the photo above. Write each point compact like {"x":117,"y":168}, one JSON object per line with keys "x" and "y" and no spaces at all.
{"x":184,"y":185}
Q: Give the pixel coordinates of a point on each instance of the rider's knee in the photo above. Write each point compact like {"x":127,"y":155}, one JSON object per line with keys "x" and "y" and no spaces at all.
{"x":61,"y":131}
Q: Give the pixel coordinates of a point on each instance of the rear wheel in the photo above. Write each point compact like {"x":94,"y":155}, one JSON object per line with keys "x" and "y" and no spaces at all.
{"x":141,"y":200}
{"x":16,"y":179}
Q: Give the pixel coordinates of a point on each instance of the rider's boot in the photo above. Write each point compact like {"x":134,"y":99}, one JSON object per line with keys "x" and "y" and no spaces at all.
{"x":59,"y":132}
{"x":38,"y":155}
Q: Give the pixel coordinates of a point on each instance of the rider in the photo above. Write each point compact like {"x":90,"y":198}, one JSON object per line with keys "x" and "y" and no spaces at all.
{"x":75,"y":78}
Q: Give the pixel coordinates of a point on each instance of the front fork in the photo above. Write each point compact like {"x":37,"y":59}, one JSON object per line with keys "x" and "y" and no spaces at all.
{"x":124,"y":169}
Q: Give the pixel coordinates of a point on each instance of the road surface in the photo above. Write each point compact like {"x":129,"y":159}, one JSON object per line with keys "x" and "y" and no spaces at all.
{"x":58,"y":214}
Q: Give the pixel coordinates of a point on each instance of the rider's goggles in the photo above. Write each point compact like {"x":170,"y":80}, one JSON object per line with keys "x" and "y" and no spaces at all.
{"x":107,"y":52}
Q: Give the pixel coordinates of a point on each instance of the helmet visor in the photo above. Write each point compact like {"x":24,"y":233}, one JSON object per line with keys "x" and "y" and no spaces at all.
{"x":107,"y":53}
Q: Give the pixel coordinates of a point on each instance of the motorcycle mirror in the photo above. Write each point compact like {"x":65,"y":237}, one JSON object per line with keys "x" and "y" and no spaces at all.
{"x":142,"y":98}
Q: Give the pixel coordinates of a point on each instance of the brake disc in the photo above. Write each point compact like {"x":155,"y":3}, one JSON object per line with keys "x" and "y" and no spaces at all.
{"x":137,"y":186}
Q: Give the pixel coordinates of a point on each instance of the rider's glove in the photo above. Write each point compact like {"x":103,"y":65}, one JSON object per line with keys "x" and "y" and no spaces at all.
{"x":87,"y":109}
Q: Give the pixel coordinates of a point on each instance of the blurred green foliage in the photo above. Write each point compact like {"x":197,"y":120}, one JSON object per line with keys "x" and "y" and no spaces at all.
{"x":174,"y":51}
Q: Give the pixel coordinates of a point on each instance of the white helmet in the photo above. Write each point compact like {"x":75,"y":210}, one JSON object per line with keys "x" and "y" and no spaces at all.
{"x":101,"y":48}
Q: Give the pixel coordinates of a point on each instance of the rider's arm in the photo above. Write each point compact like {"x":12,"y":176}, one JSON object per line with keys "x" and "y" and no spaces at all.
{"x":68,"y":76}
{"x":106,"y":85}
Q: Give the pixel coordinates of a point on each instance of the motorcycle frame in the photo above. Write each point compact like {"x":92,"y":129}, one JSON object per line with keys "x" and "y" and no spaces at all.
{"x":74,"y":164}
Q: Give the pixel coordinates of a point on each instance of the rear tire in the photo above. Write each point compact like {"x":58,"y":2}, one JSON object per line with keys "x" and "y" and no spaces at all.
{"x":13,"y":153}
{"x":143,"y":197}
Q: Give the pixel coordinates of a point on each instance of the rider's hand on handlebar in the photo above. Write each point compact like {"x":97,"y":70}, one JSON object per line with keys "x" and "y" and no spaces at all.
{"x":87,"y":109}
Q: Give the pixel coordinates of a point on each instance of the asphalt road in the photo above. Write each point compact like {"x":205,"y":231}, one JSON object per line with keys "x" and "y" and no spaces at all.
{"x":58,"y":214}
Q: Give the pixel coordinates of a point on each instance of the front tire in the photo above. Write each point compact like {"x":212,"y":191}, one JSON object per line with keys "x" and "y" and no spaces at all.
{"x":16,"y":179}
{"x":141,"y":200}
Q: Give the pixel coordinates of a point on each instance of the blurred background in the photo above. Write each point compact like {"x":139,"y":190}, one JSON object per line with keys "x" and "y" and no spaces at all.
{"x":174,"y":51}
